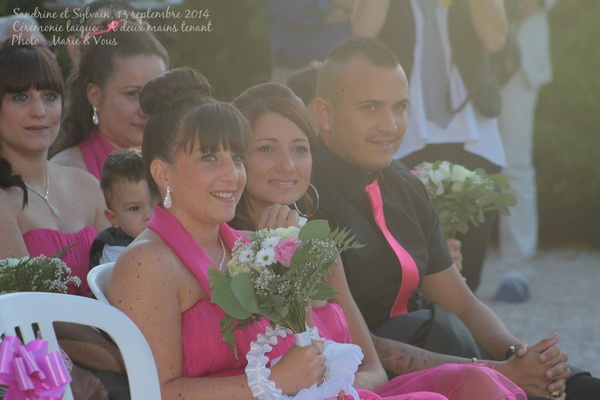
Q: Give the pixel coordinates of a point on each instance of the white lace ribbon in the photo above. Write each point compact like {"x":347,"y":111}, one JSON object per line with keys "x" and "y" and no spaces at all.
{"x":341,"y":363}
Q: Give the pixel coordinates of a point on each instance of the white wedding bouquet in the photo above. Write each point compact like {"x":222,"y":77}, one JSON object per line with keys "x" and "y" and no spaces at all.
{"x":461,"y":196}
{"x":276,"y":274}
{"x":35,"y":274}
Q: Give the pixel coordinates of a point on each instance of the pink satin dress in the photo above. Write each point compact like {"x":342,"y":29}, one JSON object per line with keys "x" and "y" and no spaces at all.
{"x":94,"y":152}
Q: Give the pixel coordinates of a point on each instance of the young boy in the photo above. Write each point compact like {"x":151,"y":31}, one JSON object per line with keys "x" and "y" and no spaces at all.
{"x":128,"y":201}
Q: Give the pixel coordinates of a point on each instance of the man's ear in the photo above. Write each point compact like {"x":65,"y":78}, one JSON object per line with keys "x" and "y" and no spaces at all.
{"x":94,"y":94}
{"x":324,"y":112}
{"x":111,"y":217}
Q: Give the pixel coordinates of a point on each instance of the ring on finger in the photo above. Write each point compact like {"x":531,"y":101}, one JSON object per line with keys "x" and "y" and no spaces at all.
{"x":556,"y":393}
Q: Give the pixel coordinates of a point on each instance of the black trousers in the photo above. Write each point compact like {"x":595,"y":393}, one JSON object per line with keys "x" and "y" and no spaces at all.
{"x":475,"y":241}
{"x":442,"y":333}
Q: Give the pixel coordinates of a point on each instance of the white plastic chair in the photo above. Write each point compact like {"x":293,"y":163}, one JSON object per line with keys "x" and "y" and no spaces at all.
{"x":98,"y":278}
{"x":32,"y":313}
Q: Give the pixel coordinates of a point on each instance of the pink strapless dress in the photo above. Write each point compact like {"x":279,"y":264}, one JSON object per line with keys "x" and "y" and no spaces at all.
{"x":206,"y":355}
{"x":49,"y":241}
{"x":94,"y":152}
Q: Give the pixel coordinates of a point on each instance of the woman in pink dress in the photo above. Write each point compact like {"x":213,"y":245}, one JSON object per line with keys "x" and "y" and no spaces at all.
{"x":103,"y":112}
{"x":194,"y":150}
{"x":44,"y":207}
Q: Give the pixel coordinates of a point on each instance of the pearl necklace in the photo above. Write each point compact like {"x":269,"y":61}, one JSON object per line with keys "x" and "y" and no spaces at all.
{"x":44,"y":197}
{"x":224,"y":254}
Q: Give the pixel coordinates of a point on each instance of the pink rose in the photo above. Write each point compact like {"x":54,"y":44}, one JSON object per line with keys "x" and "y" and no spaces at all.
{"x":285,"y":250}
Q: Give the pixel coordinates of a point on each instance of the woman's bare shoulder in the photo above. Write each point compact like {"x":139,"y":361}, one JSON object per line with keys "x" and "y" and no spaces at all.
{"x":147,"y":254}
{"x":70,"y":157}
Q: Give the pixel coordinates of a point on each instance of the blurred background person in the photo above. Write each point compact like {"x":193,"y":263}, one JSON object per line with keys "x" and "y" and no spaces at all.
{"x":25,"y":30}
{"x":303,"y":30}
{"x":518,"y":233}
{"x":304,"y":84}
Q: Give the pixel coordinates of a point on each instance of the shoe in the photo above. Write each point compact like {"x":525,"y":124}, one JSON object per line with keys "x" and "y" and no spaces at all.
{"x":512,"y":289}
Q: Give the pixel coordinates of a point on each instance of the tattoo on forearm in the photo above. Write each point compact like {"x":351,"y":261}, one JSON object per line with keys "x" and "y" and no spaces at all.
{"x":401,"y":358}
{"x":383,"y":352}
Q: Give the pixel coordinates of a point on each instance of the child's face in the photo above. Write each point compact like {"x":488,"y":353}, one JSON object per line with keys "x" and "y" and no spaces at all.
{"x":131,"y":207}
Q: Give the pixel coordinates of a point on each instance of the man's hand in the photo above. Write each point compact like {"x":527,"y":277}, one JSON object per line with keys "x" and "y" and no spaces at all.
{"x":550,"y":355}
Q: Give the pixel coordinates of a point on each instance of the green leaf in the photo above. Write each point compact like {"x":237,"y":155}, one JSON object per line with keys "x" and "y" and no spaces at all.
{"x":316,"y":229}
{"x":214,"y":275}
{"x":227,"y":329}
{"x":223,"y":296}
{"x":241,"y":286}
{"x":322,"y":291}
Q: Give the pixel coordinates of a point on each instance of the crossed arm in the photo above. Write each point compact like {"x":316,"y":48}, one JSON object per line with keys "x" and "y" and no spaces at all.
{"x":538,"y":369}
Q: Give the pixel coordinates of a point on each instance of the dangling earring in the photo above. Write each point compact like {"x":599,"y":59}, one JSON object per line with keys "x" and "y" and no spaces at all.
{"x":314,"y":209}
{"x":167,"y":203}
{"x":95,"y":119}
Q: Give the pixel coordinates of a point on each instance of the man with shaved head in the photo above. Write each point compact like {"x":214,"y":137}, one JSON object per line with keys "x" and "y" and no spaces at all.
{"x":404,"y":279}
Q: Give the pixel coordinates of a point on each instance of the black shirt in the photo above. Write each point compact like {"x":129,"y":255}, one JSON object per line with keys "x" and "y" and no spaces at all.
{"x":373,"y":272}
{"x":111,"y":236}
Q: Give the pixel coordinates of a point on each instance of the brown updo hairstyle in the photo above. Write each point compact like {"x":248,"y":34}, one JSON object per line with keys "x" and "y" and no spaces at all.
{"x":277,"y":98}
{"x":183,"y":116}
{"x":98,"y":59}
{"x":24,"y":67}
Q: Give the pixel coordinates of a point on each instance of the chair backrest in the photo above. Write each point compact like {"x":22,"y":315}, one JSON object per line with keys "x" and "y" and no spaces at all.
{"x":30,"y":313}
{"x":98,"y":278}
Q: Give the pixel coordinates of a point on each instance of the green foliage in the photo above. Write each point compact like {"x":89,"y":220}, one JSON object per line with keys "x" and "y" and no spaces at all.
{"x":36,"y":274}
{"x":567,"y":141}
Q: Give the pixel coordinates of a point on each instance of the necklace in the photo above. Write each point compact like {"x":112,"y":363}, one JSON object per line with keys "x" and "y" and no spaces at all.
{"x":224,"y":253}
{"x":44,"y":197}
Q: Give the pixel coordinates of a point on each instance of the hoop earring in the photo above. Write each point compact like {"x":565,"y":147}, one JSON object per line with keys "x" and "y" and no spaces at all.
{"x":95,"y":119}
{"x":167,"y":202}
{"x":312,"y":212}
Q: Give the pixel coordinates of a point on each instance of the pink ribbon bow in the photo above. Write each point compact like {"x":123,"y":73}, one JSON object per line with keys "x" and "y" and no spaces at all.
{"x":29,"y":372}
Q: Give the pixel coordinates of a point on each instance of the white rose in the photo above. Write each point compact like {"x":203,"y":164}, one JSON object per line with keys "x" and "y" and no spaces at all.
{"x":437,"y":179}
{"x":460,"y":173}
{"x":444,"y":168}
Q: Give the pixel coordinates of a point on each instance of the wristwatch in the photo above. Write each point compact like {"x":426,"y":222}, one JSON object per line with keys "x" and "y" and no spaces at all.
{"x":510,"y":351}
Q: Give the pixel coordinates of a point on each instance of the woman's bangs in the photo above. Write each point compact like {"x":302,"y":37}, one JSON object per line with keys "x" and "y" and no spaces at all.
{"x":216,"y":126}
{"x":27,"y":69}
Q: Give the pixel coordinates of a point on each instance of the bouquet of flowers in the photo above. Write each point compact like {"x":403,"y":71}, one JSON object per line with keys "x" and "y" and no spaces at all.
{"x":36,"y":274}
{"x":276,"y":274}
{"x":461,"y":196}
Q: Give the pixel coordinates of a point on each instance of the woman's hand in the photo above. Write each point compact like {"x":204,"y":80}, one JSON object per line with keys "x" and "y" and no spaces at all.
{"x":278,"y":216}
{"x":300,"y":367}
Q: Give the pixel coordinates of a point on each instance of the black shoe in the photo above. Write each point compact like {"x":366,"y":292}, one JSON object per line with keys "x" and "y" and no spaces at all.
{"x":512,"y":289}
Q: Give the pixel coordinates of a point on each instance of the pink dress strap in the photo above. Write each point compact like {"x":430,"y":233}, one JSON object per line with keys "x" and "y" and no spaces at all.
{"x":94,"y":152}
{"x":174,"y":234}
